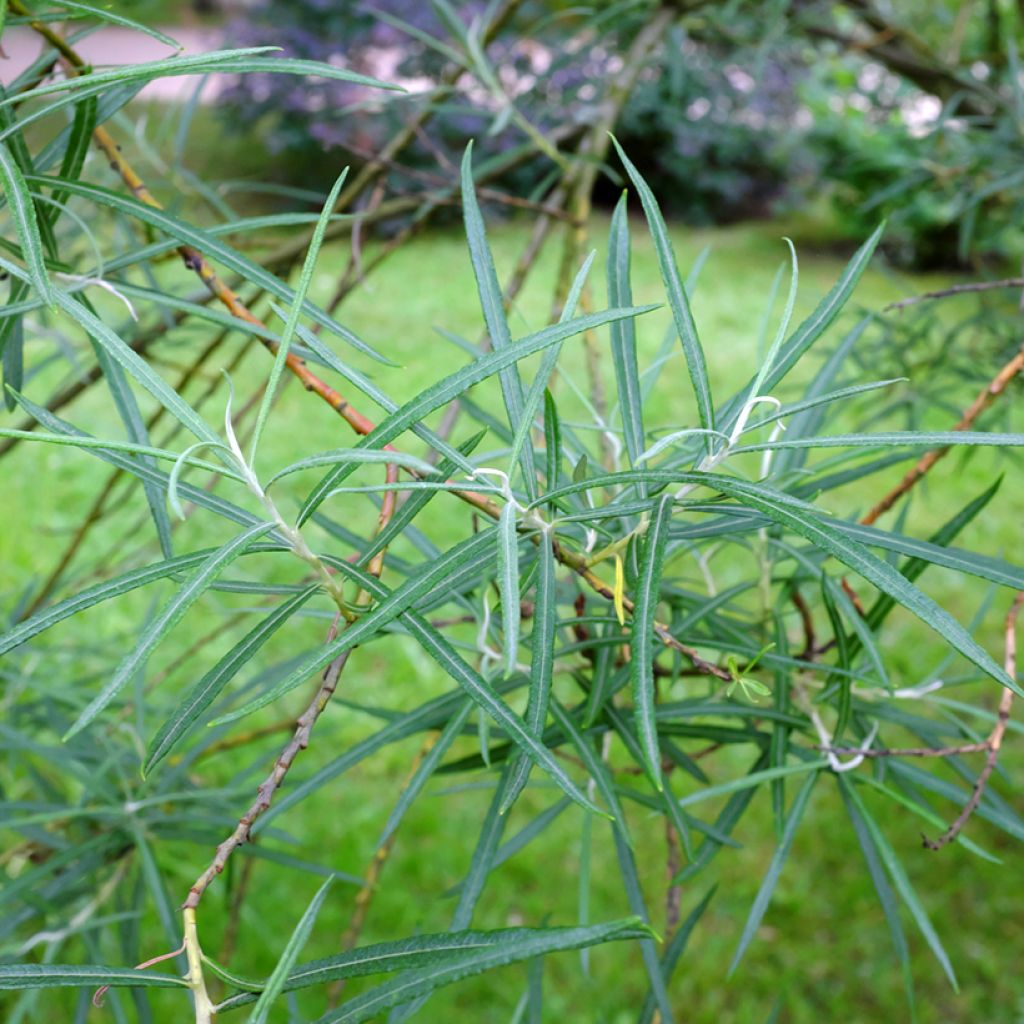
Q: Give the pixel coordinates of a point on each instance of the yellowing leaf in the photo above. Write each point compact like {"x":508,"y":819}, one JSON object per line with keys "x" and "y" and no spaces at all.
{"x":620,"y":590}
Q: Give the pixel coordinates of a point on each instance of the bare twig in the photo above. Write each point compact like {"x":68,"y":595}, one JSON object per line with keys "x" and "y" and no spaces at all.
{"x":877,"y":752}
{"x":807,"y":621}
{"x":995,"y":739}
{"x":957,"y":289}
{"x":265,"y":793}
{"x":984,"y":399}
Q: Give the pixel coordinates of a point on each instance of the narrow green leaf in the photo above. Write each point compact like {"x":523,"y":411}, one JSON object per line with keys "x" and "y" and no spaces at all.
{"x":623,"y":851}
{"x":909,"y":439}
{"x":481,"y":864}
{"x":665,"y":799}
{"x":231,"y":61}
{"x":787,"y":315}
{"x":901,"y":882}
{"x":844,"y":682}
{"x":210,"y":245}
{"x":508,"y":583}
{"x":294,"y":946}
{"x":992,"y":807}
{"x":103,"y":14}
{"x":542,"y":644}
{"x":444,"y":971}
{"x":456,"y":383}
{"x":478,"y":549}
{"x":364,"y":456}
{"x":410,"y":509}
{"x":674,"y":951}
{"x":623,"y":335}
{"x":751,"y":779}
{"x":942,"y":537}
{"x":885,"y":894}
{"x":26,"y":224}
{"x":147,"y":451}
{"x":12,"y":357}
{"x":135,"y":428}
{"x":552,"y":442}
{"x":771,"y":877}
{"x":547,"y":366}
{"x":810,"y":330}
{"x":642,"y":636}
{"x":25,"y":163}
{"x":422,"y":955}
{"x":284,"y":344}
{"x":21,"y":976}
{"x":926,"y":814}
{"x":79,"y":141}
{"x":166,"y":619}
{"x":818,"y":400}
{"x":97,"y":594}
{"x":425,"y":770}
{"x":676,"y":291}
{"x":493,"y":306}
{"x":935,"y":552}
{"x":185,"y":716}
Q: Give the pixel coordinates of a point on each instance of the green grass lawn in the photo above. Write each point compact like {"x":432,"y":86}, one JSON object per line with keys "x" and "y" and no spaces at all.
{"x":824,"y":950}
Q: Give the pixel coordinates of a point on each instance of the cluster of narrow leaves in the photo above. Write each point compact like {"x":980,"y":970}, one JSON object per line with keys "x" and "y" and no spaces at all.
{"x":615,"y":650}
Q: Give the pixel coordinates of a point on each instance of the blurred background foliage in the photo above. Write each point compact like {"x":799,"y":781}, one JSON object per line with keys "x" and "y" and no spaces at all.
{"x":909,"y":111}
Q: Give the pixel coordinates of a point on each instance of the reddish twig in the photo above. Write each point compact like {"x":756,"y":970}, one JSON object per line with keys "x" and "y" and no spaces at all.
{"x":995,"y":739}
{"x":807,"y":622}
{"x":984,"y":399}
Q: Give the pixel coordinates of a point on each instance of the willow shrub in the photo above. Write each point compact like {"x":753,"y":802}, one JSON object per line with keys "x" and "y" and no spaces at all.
{"x":591,"y":660}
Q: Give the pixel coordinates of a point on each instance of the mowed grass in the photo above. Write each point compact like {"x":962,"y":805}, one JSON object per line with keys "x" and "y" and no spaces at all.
{"x":823,"y":952}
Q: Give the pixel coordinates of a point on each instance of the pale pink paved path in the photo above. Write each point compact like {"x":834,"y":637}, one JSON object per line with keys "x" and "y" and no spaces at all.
{"x":113,"y":45}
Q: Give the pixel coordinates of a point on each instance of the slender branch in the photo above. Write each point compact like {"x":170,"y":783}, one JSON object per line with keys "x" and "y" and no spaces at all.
{"x":402,"y":139}
{"x":303,"y":729}
{"x":995,"y":739}
{"x":578,"y":564}
{"x":957,"y":289}
{"x":241,"y":739}
{"x":984,"y":399}
{"x":265,"y":792}
{"x":964,"y":748}
{"x":807,"y":621}
{"x":440,"y":181}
